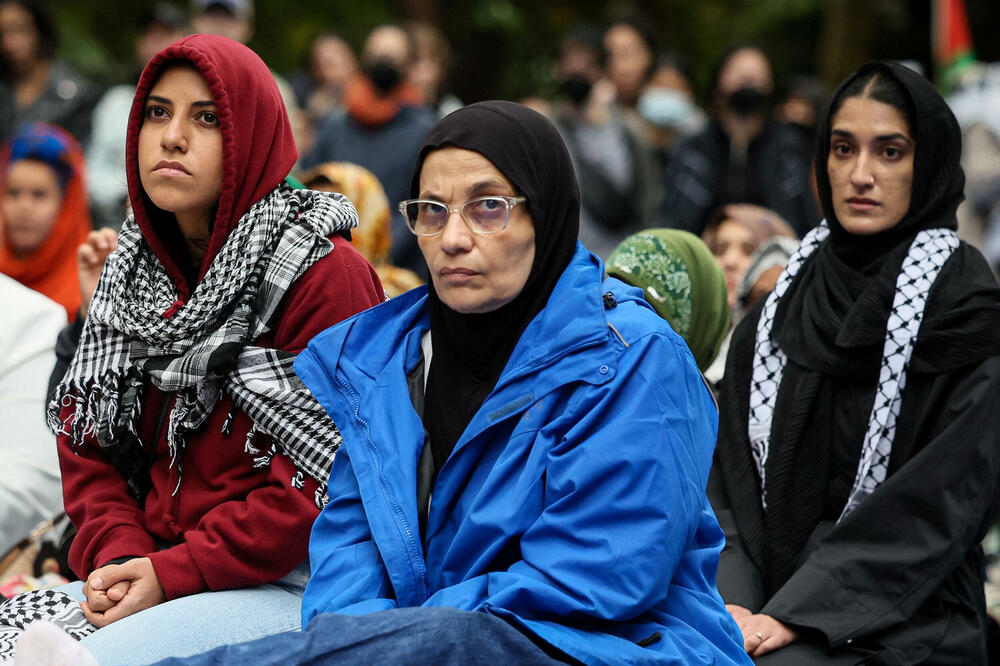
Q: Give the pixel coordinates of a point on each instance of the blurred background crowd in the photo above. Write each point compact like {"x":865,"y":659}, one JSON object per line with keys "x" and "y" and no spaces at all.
{"x":697,"y":116}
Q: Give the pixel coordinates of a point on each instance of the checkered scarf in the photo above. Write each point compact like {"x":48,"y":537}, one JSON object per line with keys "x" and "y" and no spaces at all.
{"x":927,"y":254}
{"x":204,"y":349}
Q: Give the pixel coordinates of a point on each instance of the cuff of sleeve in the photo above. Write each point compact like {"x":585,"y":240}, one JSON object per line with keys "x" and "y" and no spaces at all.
{"x":814,"y":599}
{"x":123,"y":542}
{"x":177,"y":572}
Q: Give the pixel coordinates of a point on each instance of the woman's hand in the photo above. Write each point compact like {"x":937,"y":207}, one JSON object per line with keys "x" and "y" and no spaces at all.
{"x":90,"y":258}
{"x":99,"y":596}
{"x":738,"y":612}
{"x":121,"y":590}
{"x":763,"y":634}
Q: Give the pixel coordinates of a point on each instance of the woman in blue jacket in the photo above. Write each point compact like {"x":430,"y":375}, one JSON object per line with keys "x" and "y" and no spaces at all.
{"x":526,"y":446}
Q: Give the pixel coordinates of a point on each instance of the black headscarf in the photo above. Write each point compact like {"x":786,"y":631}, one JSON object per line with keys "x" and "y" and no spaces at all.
{"x":832,"y":324}
{"x":833,"y":317}
{"x":471,"y":350}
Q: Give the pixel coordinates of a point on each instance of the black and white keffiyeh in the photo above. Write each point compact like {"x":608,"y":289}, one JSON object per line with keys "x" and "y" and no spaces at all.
{"x":203,"y":349}
{"x":58,"y":608}
{"x":927,"y":254}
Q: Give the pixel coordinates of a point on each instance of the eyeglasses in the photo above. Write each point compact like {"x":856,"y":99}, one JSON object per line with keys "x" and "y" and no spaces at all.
{"x":483,"y":215}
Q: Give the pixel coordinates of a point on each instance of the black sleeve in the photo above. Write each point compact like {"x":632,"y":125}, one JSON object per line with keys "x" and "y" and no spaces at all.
{"x":738,"y":579}
{"x":66,"y":344}
{"x":885,"y":559}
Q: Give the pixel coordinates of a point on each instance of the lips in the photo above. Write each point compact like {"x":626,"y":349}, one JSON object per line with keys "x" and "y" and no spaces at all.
{"x":165,"y":168}
{"x":457,"y":271}
{"x":862,"y":203}
{"x":456,"y":276}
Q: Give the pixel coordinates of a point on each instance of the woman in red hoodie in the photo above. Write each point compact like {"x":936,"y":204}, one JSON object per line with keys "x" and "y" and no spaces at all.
{"x":193,"y":459}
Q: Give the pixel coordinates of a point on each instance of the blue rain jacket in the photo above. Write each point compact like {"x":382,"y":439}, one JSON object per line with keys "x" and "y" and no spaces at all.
{"x":573,"y":506}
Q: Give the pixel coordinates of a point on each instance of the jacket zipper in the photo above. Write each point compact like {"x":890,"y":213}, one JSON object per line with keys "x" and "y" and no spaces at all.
{"x":415,"y":558}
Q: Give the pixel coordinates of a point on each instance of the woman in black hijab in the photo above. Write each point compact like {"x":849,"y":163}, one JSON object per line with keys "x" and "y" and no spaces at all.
{"x":526,"y":444}
{"x":859,"y":449}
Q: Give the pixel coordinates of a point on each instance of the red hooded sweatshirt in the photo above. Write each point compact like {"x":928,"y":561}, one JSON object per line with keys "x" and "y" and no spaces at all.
{"x":229,"y":525}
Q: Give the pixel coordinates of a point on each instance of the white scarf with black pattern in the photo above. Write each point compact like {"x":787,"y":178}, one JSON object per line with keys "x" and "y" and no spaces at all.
{"x":204,"y":349}
{"x":928,"y":252}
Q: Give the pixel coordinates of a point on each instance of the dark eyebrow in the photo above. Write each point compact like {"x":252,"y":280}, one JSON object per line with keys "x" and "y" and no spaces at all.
{"x":164,"y":100}
{"x":895,"y":136}
{"x":881,"y":138}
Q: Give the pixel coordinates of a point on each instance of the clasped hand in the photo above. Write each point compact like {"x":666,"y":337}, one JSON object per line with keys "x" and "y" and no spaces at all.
{"x":119,"y":590}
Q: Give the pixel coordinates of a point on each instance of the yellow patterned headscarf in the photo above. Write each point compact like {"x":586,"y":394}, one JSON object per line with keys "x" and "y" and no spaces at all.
{"x":373,"y":235}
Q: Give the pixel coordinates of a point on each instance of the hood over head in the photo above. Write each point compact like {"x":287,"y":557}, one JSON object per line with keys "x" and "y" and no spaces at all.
{"x":257,"y":143}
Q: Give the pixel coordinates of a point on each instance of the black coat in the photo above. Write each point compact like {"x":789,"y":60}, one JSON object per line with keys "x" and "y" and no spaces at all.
{"x":699,"y":178}
{"x":899,"y":580}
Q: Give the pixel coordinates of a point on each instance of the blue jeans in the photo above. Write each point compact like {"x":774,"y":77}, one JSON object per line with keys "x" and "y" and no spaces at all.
{"x":197,"y":623}
{"x":400,"y":636}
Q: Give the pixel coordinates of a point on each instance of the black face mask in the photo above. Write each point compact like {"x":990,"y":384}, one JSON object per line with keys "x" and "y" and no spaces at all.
{"x":576,"y":88}
{"x":383,"y":75}
{"x":746,"y":101}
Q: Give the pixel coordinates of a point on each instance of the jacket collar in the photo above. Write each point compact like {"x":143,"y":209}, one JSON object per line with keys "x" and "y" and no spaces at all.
{"x":573,"y":318}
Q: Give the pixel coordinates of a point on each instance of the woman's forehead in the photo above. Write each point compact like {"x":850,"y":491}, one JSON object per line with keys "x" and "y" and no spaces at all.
{"x":460,"y":169}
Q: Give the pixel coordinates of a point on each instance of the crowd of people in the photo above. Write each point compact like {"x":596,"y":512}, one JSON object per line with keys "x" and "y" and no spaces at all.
{"x":682,"y":385}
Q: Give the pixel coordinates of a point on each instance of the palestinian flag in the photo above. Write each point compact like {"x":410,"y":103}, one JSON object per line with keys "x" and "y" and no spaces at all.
{"x":952,"y":41}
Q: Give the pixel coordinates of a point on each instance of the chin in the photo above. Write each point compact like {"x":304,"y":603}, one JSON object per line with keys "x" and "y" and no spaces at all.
{"x":867,"y":226}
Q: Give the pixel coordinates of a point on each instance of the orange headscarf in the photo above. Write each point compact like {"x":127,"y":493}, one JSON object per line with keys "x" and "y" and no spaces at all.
{"x":373,"y":235}
{"x":51,"y":268}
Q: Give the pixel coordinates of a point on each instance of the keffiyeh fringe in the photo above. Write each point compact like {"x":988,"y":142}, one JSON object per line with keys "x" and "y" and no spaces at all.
{"x":200,"y":350}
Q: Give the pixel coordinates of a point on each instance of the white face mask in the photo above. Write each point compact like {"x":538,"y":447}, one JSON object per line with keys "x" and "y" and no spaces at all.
{"x":666,"y":108}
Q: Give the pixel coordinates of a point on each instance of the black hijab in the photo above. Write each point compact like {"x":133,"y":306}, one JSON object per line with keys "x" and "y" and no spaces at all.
{"x":471,"y":350}
{"x":831,"y":323}
{"x":833,"y":317}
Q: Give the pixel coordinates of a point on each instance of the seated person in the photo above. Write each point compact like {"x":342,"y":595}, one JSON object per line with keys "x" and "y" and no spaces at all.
{"x":859,"y":446}
{"x":680,"y":278}
{"x":526,"y":444}
{"x":30,"y":490}
{"x":193,"y":460}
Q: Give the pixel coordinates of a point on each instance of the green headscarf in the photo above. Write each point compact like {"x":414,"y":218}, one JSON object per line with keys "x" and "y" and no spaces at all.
{"x":680,"y":278}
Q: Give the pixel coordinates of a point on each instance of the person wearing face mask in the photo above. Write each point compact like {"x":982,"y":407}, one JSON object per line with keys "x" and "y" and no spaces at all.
{"x":614,"y":165}
{"x":668,"y":108}
{"x":742,"y":155}
{"x":381,"y":127}
{"x":858,"y":459}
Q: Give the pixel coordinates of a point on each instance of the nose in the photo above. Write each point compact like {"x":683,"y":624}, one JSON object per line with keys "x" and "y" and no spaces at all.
{"x":456,"y":237}
{"x":174,"y":135}
{"x":730,"y":259}
{"x":861,"y":172}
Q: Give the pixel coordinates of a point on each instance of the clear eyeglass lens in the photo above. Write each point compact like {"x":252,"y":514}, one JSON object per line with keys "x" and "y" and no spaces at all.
{"x":488,"y":215}
{"x":426,"y":217}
